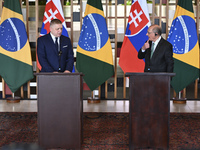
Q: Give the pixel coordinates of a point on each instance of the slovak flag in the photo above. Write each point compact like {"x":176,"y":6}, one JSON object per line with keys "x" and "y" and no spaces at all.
{"x":135,"y":37}
{"x":53,"y":9}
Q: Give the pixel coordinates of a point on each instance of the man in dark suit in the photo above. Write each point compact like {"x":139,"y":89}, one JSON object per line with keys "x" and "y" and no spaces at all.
{"x":158,"y":52}
{"x":55,"y":53}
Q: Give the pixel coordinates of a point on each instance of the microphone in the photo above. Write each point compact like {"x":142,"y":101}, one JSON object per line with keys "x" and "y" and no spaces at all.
{"x":60,"y":53}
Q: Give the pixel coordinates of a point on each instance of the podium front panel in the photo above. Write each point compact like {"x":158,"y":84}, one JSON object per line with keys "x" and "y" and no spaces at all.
{"x":60,"y":109}
{"x":149,"y":110}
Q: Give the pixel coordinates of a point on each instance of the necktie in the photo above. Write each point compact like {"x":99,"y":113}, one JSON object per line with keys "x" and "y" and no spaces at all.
{"x":152,"y":49}
{"x":56,"y":43}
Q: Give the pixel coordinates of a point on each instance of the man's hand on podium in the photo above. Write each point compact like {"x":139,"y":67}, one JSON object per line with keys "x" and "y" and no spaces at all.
{"x":67,"y":71}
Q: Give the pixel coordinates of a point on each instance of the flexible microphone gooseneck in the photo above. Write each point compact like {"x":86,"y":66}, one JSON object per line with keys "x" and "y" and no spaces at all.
{"x":59,"y":54}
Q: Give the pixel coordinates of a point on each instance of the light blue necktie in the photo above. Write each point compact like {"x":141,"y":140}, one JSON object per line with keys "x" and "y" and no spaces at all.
{"x":152,"y":49}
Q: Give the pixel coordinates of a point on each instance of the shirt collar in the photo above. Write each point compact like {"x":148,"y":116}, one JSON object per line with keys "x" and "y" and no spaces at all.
{"x":157,"y":41}
{"x":54,"y":38}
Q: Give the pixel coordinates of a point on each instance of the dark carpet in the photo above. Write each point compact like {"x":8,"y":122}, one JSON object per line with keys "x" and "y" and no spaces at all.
{"x":102,"y":130}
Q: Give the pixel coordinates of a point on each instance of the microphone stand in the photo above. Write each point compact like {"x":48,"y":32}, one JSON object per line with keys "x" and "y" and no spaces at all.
{"x":60,"y":53}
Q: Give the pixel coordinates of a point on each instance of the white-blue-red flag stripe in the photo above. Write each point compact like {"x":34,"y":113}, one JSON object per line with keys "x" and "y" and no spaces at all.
{"x":135,"y":37}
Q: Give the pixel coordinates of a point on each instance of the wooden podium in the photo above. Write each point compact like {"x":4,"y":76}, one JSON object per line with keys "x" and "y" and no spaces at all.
{"x":149,"y":110}
{"x":60,"y":109}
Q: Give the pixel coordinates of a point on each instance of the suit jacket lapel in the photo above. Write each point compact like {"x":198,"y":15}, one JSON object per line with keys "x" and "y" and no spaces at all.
{"x":158,"y":47}
{"x":52,"y":44}
{"x":61,"y":43}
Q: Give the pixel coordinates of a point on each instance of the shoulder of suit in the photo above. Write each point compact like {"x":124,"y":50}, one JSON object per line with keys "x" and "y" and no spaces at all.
{"x":162,"y":40}
{"x":44,"y":36}
{"x":167,"y":42}
{"x":64,"y":37}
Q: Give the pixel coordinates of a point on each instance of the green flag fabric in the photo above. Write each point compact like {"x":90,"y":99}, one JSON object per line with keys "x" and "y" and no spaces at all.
{"x":94,"y":51}
{"x":183,"y":37}
{"x":15,"y":54}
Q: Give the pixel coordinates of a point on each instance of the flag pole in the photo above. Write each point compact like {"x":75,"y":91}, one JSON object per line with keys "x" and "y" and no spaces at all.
{"x":13,"y":99}
{"x":180,"y":100}
{"x":93,"y":99}
{"x":3,"y":89}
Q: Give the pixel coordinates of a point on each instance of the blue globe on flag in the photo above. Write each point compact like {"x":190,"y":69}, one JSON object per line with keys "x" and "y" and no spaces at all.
{"x":94,"y":34}
{"x":182,"y":38}
{"x":15,"y":38}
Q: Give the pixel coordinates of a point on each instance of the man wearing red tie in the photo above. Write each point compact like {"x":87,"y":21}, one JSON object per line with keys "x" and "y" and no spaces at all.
{"x":158,"y":52}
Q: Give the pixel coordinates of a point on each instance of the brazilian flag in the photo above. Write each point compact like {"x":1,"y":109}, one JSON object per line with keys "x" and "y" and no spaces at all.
{"x":183,"y":37}
{"x":94,"y":51}
{"x":15,"y":54}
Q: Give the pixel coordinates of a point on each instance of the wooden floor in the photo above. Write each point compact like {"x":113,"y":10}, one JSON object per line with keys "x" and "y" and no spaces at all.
{"x":103,"y":106}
